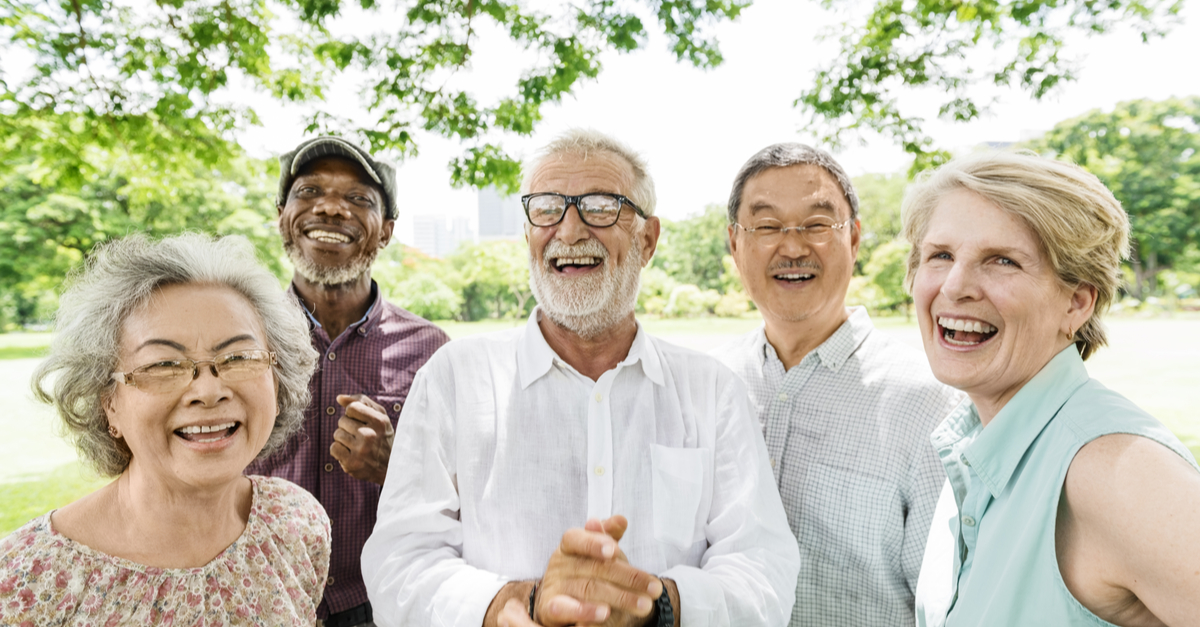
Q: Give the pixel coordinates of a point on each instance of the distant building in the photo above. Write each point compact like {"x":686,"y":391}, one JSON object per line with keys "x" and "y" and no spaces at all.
{"x":436,"y":237}
{"x":500,"y":217}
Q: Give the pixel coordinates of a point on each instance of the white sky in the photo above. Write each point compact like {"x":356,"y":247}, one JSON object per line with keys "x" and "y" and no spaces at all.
{"x":697,"y":127}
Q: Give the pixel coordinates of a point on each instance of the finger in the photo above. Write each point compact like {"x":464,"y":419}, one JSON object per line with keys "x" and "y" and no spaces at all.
{"x":355,"y":425}
{"x":597,"y":591}
{"x":339,"y":451}
{"x":346,"y":399}
{"x":514,"y":614}
{"x":584,"y":543}
{"x":618,"y":574}
{"x":562,"y":609}
{"x":366,"y":415}
{"x":615,"y":526}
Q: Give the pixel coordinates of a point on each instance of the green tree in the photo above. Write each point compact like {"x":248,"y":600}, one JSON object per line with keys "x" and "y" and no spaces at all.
{"x":1146,"y":153}
{"x":495,"y":279}
{"x":45,"y":231}
{"x":154,"y":78}
{"x":951,"y":48}
{"x":879,"y":198}
{"x":690,"y":250}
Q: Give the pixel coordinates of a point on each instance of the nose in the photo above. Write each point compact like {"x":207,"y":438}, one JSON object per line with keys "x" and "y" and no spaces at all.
{"x":206,"y":388}
{"x":332,"y":205}
{"x":572,"y":229}
{"x":961,"y":283}
{"x":793,"y":244}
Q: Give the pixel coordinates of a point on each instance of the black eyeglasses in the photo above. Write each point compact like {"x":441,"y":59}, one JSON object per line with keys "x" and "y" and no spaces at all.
{"x":597,"y":209}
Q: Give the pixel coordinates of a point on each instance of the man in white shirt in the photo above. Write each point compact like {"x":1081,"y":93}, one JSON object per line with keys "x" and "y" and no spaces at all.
{"x":846,"y":412}
{"x":523,"y":457}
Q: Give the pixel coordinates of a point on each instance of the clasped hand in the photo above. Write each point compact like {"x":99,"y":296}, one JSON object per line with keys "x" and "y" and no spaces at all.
{"x":589,"y":582}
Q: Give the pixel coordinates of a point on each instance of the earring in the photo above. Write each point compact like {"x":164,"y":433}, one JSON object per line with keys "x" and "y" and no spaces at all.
{"x":1070,"y":335}
{"x":113,"y":432}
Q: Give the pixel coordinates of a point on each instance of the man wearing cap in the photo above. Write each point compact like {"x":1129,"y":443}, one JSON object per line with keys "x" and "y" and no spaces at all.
{"x":337,"y":208}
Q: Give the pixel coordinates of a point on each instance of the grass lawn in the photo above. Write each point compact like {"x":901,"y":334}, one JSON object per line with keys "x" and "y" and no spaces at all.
{"x":1153,"y":361}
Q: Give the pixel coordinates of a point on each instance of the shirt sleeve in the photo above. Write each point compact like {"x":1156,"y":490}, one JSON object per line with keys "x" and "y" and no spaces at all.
{"x":920,"y":493}
{"x":748,"y":574}
{"x":412,"y":564}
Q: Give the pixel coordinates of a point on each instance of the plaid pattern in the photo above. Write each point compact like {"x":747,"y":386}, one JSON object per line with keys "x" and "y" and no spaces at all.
{"x":377,"y":356}
{"x":847,"y":430}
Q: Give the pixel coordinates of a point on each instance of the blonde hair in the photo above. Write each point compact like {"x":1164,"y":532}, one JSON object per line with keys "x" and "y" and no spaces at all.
{"x":585,"y":141}
{"x":1081,"y":226}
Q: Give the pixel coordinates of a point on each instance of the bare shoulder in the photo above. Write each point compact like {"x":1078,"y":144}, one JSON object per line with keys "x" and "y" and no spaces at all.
{"x":1127,"y":542}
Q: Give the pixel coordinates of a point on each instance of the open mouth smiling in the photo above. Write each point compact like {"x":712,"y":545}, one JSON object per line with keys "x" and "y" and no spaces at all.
{"x":795,"y":277}
{"x":202,"y":434}
{"x":327,"y":235}
{"x":966,"y":333}
{"x":574,"y":264}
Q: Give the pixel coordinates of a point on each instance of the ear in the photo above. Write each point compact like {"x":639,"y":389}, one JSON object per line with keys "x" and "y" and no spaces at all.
{"x":109,"y":405}
{"x":279,"y":210}
{"x":386,"y":235}
{"x":1081,"y":306}
{"x":650,"y":232}
{"x":732,"y":241}
{"x":855,"y":238}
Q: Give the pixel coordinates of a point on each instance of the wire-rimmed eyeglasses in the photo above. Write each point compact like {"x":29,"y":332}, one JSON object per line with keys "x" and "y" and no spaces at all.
{"x":598,"y":209}
{"x":771,"y":233}
{"x":172,"y":375}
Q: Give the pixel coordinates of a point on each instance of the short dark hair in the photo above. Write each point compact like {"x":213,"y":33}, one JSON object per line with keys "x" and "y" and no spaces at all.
{"x":787,"y":154}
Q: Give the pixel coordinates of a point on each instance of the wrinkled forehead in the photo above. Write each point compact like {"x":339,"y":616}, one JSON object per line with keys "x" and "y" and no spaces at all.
{"x":576,"y":171}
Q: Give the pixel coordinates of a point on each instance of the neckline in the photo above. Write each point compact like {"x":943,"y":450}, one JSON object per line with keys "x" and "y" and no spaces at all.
{"x":252,"y":522}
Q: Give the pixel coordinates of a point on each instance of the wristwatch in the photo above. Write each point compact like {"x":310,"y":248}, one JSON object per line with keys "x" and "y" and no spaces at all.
{"x":666,"y":613}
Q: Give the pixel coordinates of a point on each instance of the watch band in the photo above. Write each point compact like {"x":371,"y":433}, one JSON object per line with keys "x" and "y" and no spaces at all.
{"x":666,"y":613}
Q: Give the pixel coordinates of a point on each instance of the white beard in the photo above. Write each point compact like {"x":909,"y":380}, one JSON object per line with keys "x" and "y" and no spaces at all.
{"x":592,"y":304}
{"x":329,"y":275}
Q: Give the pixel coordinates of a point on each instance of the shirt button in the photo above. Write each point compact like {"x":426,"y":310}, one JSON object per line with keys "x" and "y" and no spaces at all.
{"x":963,"y":459}
{"x":599,"y":471}
{"x":332,"y":356}
{"x":362,"y":330}
{"x":598,"y":397}
{"x":396,"y":407}
{"x":968,"y":521}
{"x":772,"y":463}
{"x":782,"y":396}
{"x":328,"y":467}
{"x":329,"y":581}
{"x":330,"y":410}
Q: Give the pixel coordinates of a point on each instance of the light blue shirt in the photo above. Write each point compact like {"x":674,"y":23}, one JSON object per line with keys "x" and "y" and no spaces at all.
{"x":990,"y":558}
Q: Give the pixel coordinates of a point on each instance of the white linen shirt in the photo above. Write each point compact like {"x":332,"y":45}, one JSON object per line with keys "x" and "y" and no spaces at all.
{"x":502,"y":447}
{"x":848,"y":430}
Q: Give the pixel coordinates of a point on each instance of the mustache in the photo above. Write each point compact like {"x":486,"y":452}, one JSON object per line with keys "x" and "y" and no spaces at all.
{"x":586,"y":248}
{"x":795,"y":263}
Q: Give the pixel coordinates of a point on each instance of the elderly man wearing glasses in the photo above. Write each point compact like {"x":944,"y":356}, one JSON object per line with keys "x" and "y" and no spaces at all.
{"x":577,"y":470}
{"x":846,"y":412}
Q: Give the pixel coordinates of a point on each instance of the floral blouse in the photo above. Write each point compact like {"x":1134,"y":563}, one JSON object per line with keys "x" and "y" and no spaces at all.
{"x":273,"y":574}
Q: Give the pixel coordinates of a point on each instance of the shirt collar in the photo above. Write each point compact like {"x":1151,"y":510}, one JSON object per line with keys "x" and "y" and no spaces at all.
{"x":999,"y":448}
{"x":835,"y":350}
{"x":371,"y":317}
{"x":535,"y":357}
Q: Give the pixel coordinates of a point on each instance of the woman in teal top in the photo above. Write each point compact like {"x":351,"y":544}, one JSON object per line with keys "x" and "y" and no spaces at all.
{"x":1066,"y":503}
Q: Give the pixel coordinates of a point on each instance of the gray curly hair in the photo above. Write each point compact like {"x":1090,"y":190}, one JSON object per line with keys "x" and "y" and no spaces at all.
{"x":118,"y":278}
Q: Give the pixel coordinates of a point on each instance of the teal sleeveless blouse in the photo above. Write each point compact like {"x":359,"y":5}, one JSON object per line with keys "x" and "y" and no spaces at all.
{"x":990,"y":559}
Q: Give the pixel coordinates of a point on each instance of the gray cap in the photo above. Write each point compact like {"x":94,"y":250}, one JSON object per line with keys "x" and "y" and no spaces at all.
{"x":379,"y":170}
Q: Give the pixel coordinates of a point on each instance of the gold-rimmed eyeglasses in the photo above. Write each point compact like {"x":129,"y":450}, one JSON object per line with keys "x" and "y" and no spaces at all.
{"x":173,"y":375}
{"x":770,"y":233}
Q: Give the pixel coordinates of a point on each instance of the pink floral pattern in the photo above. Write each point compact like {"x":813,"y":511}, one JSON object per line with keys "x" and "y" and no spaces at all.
{"x":274,"y":574}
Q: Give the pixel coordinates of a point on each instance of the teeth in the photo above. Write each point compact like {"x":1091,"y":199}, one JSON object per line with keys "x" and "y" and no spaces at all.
{"x":327,"y":236}
{"x":793,"y":277}
{"x":194,"y":429}
{"x":575,"y":261}
{"x":957,"y":324}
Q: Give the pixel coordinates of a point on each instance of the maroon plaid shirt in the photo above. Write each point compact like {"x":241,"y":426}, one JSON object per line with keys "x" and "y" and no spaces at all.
{"x":376,"y":356}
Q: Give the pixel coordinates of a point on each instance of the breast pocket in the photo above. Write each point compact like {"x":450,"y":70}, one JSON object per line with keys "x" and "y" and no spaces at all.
{"x":682,"y":494}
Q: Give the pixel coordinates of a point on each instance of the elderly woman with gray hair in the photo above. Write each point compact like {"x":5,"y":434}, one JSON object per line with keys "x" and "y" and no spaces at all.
{"x":1066,"y":503}
{"x":176,"y":364}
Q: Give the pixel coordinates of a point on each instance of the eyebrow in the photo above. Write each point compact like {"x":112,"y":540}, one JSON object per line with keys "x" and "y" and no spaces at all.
{"x":181,"y":348}
{"x":823,"y":204}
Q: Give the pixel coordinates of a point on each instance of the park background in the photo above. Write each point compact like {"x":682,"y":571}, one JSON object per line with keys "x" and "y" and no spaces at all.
{"x":105,"y":130}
